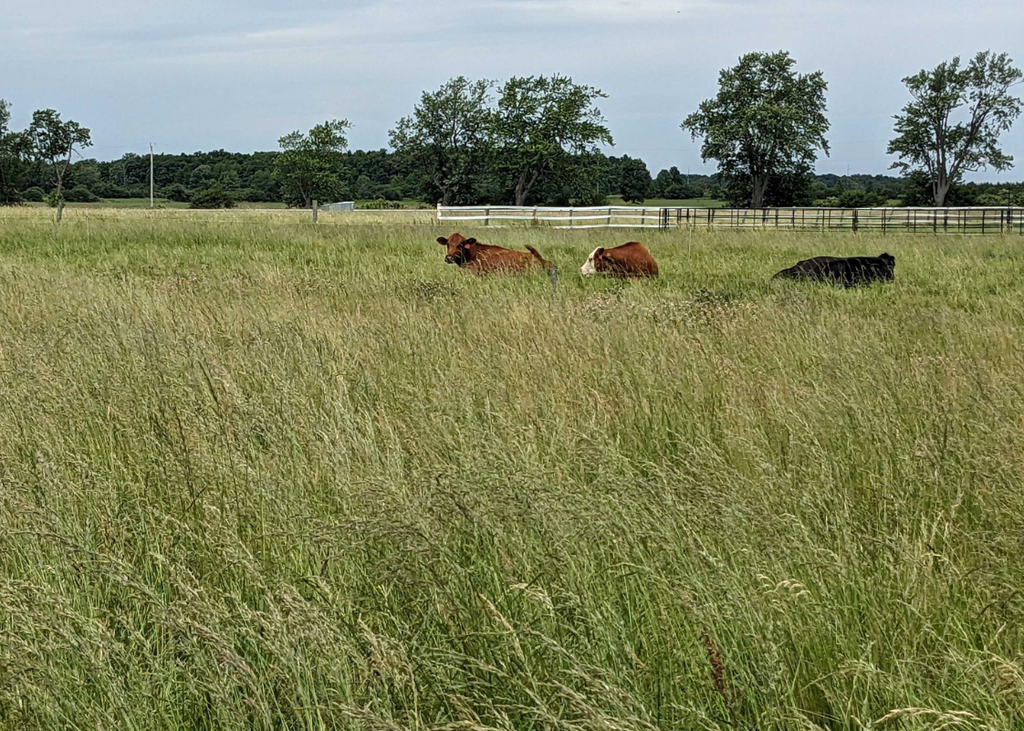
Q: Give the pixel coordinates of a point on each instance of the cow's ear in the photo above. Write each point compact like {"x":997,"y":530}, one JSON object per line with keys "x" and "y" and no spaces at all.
{"x":470,"y":241}
{"x":442,"y":240}
{"x":599,"y":252}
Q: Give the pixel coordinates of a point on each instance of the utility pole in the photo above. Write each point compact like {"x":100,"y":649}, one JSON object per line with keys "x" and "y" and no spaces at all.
{"x":150,"y":174}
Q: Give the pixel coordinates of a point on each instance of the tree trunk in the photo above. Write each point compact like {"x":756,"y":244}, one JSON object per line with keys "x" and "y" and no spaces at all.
{"x":60,"y":200}
{"x":523,"y":188}
{"x":939,"y":192}
{"x":757,"y":196}
{"x":521,"y":191}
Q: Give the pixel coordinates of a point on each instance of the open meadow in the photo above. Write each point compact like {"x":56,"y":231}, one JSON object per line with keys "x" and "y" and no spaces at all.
{"x":256,"y":474}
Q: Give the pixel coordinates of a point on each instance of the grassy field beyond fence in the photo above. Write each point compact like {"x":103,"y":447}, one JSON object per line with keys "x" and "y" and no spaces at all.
{"x":263,"y":476}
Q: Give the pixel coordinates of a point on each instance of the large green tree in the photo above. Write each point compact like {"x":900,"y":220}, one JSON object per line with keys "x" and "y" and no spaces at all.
{"x":310,"y":165}
{"x":952,"y":124}
{"x":53,"y":143}
{"x":540,"y":124}
{"x":446,"y":138}
{"x":13,"y":148}
{"x":634,"y":180}
{"x":766,"y":123}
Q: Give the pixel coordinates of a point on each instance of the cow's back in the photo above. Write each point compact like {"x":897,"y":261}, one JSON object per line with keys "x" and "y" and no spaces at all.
{"x":847,"y":271}
{"x":816,"y":268}
{"x":497,"y":259}
{"x":629,"y":260}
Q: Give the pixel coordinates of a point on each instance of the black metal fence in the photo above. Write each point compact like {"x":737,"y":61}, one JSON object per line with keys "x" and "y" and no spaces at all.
{"x":884,"y":220}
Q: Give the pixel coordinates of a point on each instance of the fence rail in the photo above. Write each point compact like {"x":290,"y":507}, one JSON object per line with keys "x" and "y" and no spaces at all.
{"x":982,"y":220}
{"x":590,"y":217}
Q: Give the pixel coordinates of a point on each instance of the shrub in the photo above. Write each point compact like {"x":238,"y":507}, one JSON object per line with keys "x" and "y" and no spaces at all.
{"x":392,"y":193}
{"x":378,"y":205}
{"x":213,"y":197}
{"x":859,"y":198}
{"x":110,"y":190}
{"x":34,"y":194}
{"x":80,"y":194}
{"x":177,"y":193}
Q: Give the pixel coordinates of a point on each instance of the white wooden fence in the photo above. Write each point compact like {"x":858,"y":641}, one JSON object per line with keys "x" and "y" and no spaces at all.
{"x":984,"y":220}
{"x":591,"y":217}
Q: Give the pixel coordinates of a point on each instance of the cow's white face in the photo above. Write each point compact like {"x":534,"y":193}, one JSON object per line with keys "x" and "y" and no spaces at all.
{"x":587,"y":269}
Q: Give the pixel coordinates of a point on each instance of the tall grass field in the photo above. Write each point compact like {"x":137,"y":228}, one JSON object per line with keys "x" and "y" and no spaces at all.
{"x":261,"y":475}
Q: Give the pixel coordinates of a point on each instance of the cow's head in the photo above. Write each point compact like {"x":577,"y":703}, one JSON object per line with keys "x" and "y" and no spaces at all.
{"x":457,"y":246}
{"x":889,"y":264}
{"x":590,"y":267}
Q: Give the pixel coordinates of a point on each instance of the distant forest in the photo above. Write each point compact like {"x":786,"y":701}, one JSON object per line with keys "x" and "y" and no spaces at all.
{"x":383,"y":176}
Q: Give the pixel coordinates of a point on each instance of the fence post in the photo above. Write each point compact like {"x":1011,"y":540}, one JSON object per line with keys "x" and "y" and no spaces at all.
{"x":609,"y":216}
{"x":316,"y":207}
{"x":984,"y":215}
{"x":855,"y":220}
{"x":487,"y":217}
{"x":535,"y":215}
{"x":570,"y":217}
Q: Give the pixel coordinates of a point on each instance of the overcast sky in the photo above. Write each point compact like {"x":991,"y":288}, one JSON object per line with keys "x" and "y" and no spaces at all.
{"x":194,"y":75}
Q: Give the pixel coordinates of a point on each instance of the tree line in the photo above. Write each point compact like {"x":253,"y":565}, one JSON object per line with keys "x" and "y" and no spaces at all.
{"x":538,"y":140}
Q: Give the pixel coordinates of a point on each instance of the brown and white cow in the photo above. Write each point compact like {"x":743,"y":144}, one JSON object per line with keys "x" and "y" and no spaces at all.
{"x":482,"y":258}
{"x":629,"y":260}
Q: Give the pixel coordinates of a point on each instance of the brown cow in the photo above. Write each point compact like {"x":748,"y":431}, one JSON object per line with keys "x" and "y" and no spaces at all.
{"x":629,"y":260}
{"x":481,"y":258}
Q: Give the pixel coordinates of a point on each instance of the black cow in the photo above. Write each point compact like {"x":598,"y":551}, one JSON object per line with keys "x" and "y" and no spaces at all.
{"x":848,"y":271}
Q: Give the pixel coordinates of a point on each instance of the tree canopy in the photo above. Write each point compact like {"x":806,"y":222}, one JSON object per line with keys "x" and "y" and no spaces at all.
{"x":766,"y":122}
{"x":309,"y":166}
{"x":53,"y":142}
{"x":13,"y":149}
{"x":952,"y":123}
{"x":447,"y":138}
{"x":540,"y":123}
{"x":634,"y":180}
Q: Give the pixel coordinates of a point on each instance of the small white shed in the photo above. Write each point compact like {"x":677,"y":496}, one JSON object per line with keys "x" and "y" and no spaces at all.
{"x":343,"y":206}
